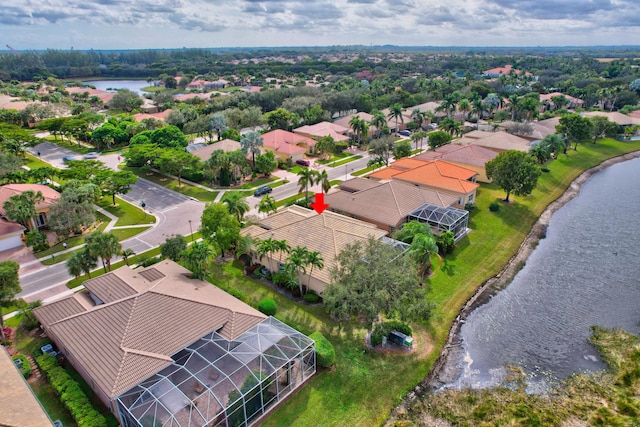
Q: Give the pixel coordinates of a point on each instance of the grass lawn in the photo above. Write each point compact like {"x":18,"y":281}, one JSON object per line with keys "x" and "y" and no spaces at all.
{"x":32,"y":162}
{"x":364,"y":171}
{"x":292,"y":198}
{"x":127,"y":213}
{"x":253,"y":184}
{"x":125,"y":233}
{"x":345,"y":161}
{"x":172,"y":184}
{"x":334,"y":157}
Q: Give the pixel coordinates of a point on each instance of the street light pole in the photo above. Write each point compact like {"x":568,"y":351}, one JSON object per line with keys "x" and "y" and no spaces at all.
{"x":191,"y":230}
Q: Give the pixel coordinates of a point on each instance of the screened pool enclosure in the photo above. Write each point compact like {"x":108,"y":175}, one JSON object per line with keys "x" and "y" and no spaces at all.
{"x":215,"y":382}
{"x":442,"y":219}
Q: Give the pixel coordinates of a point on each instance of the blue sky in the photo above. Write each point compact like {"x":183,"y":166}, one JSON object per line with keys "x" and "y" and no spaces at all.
{"x":133,"y":24}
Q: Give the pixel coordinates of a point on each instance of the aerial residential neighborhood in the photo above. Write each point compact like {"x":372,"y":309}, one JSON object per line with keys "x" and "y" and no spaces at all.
{"x":277,"y":240}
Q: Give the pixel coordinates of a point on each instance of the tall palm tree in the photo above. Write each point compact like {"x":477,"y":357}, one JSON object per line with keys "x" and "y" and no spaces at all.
{"x":267,"y":205}
{"x":237,"y":205}
{"x":421,"y":249}
{"x":419,"y":136}
{"x":514,"y":105}
{"x":395,"y":112}
{"x":298,"y":258}
{"x":464,"y":106}
{"x":81,"y":262}
{"x":251,"y":142}
{"x":322,"y":178}
{"x":358,"y":126}
{"x":104,"y":246}
{"x":21,"y":208}
{"x":379,"y":121}
{"x":245,"y":246}
{"x":283,"y":247}
{"x":418,"y":117}
{"x":266,"y":248}
{"x":314,"y":260}
{"x":306,"y":179}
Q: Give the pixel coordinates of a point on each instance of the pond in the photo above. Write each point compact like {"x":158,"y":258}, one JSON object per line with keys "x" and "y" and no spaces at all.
{"x":114,"y":85}
{"x":585,"y":272}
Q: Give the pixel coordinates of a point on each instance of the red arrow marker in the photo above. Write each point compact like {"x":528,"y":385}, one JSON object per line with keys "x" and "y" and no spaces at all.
{"x":319,"y":205}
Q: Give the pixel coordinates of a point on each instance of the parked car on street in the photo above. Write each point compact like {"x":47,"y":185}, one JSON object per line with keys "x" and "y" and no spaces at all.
{"x":265,"y":189}
{"x":303,"y":162}
{"x":405,"y":132}
{"x":67,"y":159}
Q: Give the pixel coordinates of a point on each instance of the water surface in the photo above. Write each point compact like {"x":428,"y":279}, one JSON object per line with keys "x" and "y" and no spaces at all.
{"x":114,"y":85}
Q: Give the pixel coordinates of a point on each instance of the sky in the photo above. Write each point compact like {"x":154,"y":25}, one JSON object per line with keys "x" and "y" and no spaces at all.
{"x":138,"y":24}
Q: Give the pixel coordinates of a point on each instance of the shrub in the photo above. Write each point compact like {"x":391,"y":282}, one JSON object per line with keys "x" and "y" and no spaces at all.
{"x":25,"y":367}
{"x":311,"y":297}
{"x":146,"y":262}
{"x":470,"y":207}
{"x":71,"y":395}
{"x":267,"y":306}
{"x":446,"y":242}
{"x":29,"y":321}
{"x":340,"y":146}
{"x":494,"y":207}
{"x":384,"y":329}
{"x":325,"y":353}
{"x":544,"y":169}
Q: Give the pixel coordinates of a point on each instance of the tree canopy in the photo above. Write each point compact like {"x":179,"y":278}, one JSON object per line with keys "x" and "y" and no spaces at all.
{"x":514,"y":171}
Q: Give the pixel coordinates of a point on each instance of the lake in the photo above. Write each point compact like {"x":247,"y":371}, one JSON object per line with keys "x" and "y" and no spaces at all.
{"x":585,"y":272}
{"x":114,"y":85}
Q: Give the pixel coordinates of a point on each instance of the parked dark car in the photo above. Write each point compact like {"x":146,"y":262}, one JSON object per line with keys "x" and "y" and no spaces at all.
{"x":262,"y":191}
{"x":303,"y":162}
{"x":405,"y":132}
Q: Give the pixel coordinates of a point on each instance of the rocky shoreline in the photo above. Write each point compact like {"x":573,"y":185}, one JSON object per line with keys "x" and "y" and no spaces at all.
{"x":490,"y":287}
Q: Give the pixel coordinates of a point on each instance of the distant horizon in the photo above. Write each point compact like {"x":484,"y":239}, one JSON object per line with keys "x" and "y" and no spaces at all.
{"x":173,"y":24}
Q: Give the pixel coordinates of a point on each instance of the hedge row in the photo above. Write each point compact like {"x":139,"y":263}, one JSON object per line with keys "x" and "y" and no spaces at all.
{"x":325,"y":352}
{"x":70,"y":393}
{"x":384,"y":329}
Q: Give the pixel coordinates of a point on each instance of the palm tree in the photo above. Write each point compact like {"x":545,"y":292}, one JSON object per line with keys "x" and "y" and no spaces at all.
{"x":418,"y":117}
{"x":379,"y":121}
{"x":251,"y":143}
{"x":395,"y":112}
{"x":267,"y":205}
{"x":126,"y":254}
{"x":464,"y":106}
{"x":410,"y":229}
{"x":306,"y":179}
{"x":283,"y":247}
{"x":298,"y":259}
{"x":237,"y":205}
{"x":21,"y":208}
{"x":359,"y":127}
{"x":81,"y":262}
{"x":322,"y":178}
{"x":245,"y":247}
{"x":104,"y":246}
{"x":419,"y":136}
{"x":198,"y":258}
{"x":314,"y":259}
{"x":422,"y":246}
{"x":266,"y":248}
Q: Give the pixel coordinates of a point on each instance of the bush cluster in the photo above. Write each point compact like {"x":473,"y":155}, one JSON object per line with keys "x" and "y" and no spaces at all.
{"x":325,"y":352}
{"x":446,"y":242}
{"x":494,"y":207}
{"x":267,"y":306}
{"x":384,"y":329}
{"x":311,"y":297}
{"x":70,"y":393}
{"x":25,"y":368}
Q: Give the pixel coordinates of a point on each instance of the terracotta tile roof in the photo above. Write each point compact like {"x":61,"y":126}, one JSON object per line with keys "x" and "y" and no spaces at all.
{"x":276,"y":138}
{"x":50,"y":195}
{"x":386,"y":173}
{"x":20,"y":408}
{"x":158,"y":116}
{"x":322,"y":129}
{"x":548,"y":96}
{"x":473,"y":155}
{"x":344,"y":121}
{"x":387,"y":203}
{"x":614,"y":116}
{"x":225,"y":145}
{"x":122,"y":342}
{"x":327,"y":233}
{"x":501,"y":141}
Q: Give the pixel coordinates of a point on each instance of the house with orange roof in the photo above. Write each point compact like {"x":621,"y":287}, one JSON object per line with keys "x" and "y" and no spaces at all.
{"x":471,"y":156}
{"x":547,"y":101}
{"x":322,"y":129}
{"x":438,"y":175}
{"x":504,"y":71}
{"x":50,"y":195}
{"x":139,"y":117}
{"x":286,"y":145}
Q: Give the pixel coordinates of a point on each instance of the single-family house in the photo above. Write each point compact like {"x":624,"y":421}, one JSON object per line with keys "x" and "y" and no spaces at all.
{"x":470,"y":156}
{"x":327,"y":234}
{"x":384,"y":204}
{"x":159,"y":348}
{"x":437,"y":175}
{"x":20,"y":407}
{"x":203,"y":151}
{"x":345,"y":122}
{"x":498,"y":141}
{"x":614,"y":116}
{"x":286,"y":145}
{"x":323,"y":129}
{"x":11,"y":235}
{"x":504,"y":71}
{"x":547,"y":101}
{"x":50,"y":196}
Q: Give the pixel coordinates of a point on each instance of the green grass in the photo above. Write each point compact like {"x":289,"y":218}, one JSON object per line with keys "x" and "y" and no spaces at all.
{"x":32,"y":162}
{"x":334,"y":157}
{"x":364,"y":171}
{"x":125,"y":233}
{"x":345,"y":161}
{"x":172,"y":184}
{"x":292,"y":199}
{"x":252,"y":184}
{"x":127,"y":213}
